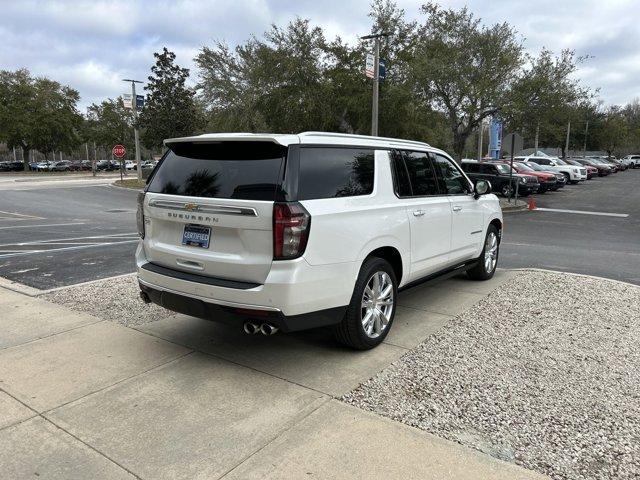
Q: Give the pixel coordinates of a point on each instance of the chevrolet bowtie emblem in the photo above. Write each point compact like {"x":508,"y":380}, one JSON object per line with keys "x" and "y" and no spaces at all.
{"x":191,"y":207}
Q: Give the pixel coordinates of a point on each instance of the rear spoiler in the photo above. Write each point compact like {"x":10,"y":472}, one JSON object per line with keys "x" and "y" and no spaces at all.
{"x":284,"y":140}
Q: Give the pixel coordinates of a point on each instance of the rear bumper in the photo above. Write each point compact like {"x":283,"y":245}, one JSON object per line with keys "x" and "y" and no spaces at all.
{"x":292,"y":287}
{"x":198,"y":307}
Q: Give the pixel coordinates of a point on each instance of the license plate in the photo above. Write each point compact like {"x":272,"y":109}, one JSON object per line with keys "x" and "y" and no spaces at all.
{"x":196,"y":236}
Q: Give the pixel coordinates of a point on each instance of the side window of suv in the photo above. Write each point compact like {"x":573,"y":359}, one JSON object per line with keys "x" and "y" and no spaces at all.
{"x":542,"y":161}
{"x":421,"y":175}
{"x":327,"y":172}
{"x":450,"y":179}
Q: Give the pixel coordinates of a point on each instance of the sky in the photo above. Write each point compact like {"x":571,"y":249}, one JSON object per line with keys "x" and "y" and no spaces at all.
{"x":92,"y":45}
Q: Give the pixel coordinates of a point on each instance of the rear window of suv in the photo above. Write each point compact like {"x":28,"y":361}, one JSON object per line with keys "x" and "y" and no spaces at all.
{"x":327,"y":172}
{"x":242,"y":170}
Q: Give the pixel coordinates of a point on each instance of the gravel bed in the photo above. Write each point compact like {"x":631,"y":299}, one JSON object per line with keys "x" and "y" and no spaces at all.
{"x":114,"y":299}
{"x":545,"y":372}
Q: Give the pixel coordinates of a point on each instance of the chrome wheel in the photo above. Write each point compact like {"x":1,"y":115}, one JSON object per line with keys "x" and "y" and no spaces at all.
{"x":490,"y":252}
{"x":376,"y":308}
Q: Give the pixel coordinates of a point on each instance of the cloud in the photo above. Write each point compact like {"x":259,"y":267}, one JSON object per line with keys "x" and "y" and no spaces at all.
{"x":92,"y":45}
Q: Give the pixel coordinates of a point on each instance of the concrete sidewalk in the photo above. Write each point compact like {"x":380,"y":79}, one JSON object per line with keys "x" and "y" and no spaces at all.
{"x":185,"y":398}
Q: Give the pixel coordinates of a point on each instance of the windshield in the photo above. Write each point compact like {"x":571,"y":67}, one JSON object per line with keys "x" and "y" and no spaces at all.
{"x":502,"y":168}
{"x":536,"y":167}
{"x":560,"y":162}
{"x":525,"y":167}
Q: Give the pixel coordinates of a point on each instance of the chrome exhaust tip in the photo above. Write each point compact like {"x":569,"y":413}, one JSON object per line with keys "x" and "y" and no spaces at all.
{"x":145,"y":298}
{"x":268,"y":329}
{"x":251,"y":328}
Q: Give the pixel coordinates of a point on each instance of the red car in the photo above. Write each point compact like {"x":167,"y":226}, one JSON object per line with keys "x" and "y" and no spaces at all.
{"x":547,"y":181}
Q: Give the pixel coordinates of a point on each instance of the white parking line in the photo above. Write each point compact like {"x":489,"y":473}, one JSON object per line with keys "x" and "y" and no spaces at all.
{"x":111,"y":236}
{"x":80,"y":247}
{"x":42,"y":225}
{"x":583,"y":212}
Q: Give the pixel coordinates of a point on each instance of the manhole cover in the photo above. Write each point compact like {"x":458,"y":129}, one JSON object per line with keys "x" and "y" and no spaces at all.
{"x":116,"y":210}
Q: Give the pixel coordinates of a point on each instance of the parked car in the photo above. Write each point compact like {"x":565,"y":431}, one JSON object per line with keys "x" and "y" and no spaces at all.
{"x":61,"y":166}
{"x":631,"y":161}
{"x":561,"y":179}
{"x":548,"y":181}
{"x":501,"y":178}
{"x":288,"y":232}
{"x":573,"y":174}
{"x":602,"y":168}
{"x":603,"y":160}
{"x":591,"y":171}
{"x":11,"y":166}
{"x":621,"y":166}
{"x":43,"y":166}
{"x":130,"y":165}
{"x":106,"y":165}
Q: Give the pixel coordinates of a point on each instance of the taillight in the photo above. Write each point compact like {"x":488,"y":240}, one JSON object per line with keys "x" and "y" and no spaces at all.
{"x":291,"y":224}
{"x":140,"y":214}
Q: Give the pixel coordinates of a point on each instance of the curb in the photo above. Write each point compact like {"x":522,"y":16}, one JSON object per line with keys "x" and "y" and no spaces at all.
{"x":519,"y":208}
{"x":573,"y":274}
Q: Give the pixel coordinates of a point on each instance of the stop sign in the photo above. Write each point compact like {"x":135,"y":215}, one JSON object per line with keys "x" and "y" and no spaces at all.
{"x":119,"y":151}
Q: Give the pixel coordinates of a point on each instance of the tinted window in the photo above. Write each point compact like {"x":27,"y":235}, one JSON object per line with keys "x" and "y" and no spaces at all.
{"x":542,"y":161}
{"x":450,"y":179}
{"x":421,"y":175}
{"x":335,"y":172}
{"x":401,"y":177}
{"x":471,"y":167}
{"x":243,"y":170}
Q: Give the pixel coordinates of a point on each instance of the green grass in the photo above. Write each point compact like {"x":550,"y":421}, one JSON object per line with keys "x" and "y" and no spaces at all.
{"x":130,"y":183}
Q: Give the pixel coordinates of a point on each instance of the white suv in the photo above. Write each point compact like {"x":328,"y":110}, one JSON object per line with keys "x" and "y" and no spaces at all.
{"x":631,"y":161}
{"x":572,"y":173}
{"x":289,"y":232}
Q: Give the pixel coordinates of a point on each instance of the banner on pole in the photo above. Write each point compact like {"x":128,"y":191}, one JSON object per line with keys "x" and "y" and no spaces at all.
{"x":369,"y":67}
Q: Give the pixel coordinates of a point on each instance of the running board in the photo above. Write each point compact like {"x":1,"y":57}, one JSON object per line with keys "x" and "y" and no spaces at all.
{"x":441,"y":275}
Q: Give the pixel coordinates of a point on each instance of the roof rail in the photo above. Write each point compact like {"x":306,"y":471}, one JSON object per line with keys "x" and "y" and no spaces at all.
{"x":363,"y":137}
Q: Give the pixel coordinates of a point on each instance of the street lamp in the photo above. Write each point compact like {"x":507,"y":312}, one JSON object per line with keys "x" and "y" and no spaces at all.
{"x":134,"y":107}
{"x":376,"y":79}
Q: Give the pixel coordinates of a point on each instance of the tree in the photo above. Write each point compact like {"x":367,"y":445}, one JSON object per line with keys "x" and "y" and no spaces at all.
{"x":170,"y":109}
{"x":615,"y":130}
{"x":275,"y":84}
{"x":545,"y":97}
{"x":37,"y":113}
{"x":463,"y":68}
{"x":109,"y":123}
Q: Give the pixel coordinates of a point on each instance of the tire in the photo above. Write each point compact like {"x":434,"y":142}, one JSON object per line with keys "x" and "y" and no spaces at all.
{"x":351,"y":331}
{"x":485,"y":269}
{"x":506,"y":190}
{"x":567,"y":177}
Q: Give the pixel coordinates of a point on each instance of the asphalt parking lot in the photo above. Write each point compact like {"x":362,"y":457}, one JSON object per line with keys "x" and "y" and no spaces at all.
{"x":604,"y":242}
{"x":56,"y":233}
{"x":62,"y":232}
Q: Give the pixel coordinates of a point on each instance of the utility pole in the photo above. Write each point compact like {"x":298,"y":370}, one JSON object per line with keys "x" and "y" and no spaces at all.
{"x":537,"y":137}
{"x":376,"y":78}
{"x":480,"y":133}
{"x":584,"y":147}
{"x":566,"y":143}
{"x":134,"y":107}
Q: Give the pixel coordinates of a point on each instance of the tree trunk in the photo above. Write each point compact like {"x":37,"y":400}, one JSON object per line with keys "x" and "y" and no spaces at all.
{"x":459,"y":142}
{"x":25,"y":158}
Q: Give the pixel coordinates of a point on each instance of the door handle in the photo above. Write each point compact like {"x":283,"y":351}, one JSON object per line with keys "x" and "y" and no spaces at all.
{"x":418,"y":213}
{"x":457,"y":208}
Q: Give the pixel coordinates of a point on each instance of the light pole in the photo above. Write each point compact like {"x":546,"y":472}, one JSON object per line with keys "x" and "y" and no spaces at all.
{"x":376,"y":78}
{"x":566,"y":143}
{"x":134,"y":107}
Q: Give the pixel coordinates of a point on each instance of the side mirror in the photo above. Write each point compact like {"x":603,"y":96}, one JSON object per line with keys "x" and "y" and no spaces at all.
{"x":482,"y":187}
